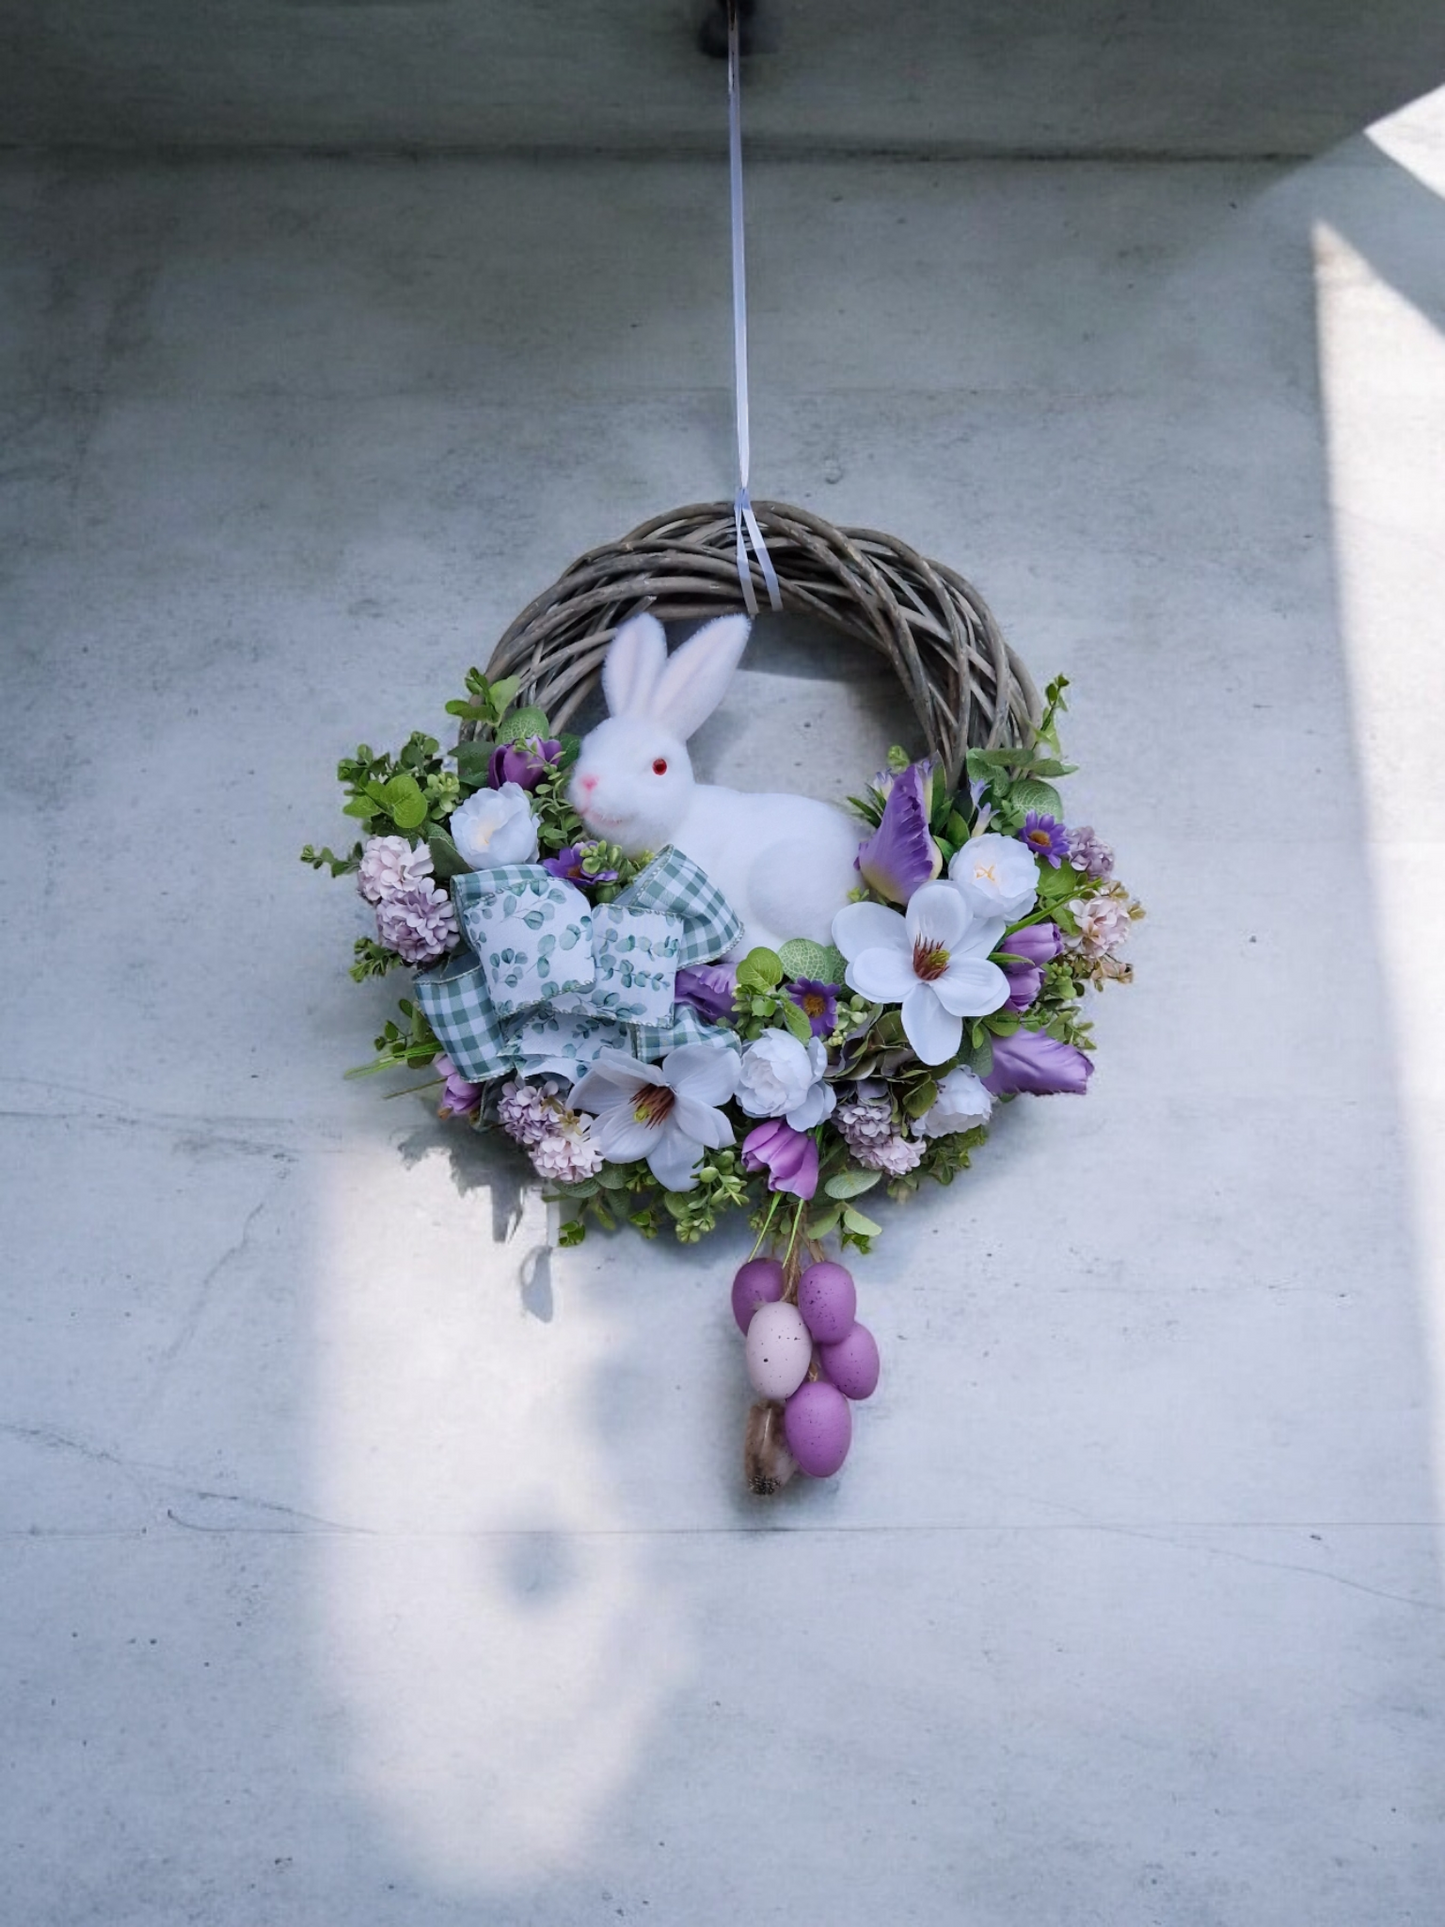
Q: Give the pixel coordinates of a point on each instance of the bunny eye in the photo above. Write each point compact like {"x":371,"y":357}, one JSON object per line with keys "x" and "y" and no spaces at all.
{"x":659,"y":768}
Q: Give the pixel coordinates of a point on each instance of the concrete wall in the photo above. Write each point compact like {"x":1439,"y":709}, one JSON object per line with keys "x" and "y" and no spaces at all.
{"x":1081,"y":76}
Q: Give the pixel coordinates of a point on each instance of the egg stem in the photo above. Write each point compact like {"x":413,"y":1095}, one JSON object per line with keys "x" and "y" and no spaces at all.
{"x":792,"y":1267}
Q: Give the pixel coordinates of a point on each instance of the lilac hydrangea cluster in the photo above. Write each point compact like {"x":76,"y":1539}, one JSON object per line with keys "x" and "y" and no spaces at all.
{"x":1088,"y":853}
{"x":414,"y":917}
{"x":558,"y":1139}
{"x":866,"y":1126}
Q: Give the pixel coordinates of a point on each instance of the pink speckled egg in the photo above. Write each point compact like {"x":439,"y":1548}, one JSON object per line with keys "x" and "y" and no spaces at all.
{"x":779,"y":1350}
{"x":852,"y":1363}
{"x":828,"y":1300}
{"x":759,"y":1282}
{"x":818,"y":1424}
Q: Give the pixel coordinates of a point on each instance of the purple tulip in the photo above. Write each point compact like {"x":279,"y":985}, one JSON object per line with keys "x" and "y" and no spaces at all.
{"x":708,"y":989}
{"x":1037,"y":943}
{"x":460,"y":1097}
{"x":789,"y":1157}
{"x":901,"y":854}
{"x":818,"y":1003}
{"x":1025,"y":983}
{"x":522,"y":763}
{"x":568,"y":865}
{"x":1033,"y":1061}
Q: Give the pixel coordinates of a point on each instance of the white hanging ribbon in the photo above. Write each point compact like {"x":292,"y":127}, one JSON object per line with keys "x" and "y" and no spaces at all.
{"x":742,"y":503}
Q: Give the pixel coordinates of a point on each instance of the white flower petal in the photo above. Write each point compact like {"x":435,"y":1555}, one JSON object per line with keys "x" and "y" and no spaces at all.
{"x":673,"y":1156}
{"x":621,"y":1137}
{"x":937,"y":914}
{"x":883,"y":976}
{"x":982,"y":936}
{"x":971,"y":987}
{"x":612,"y":1080}
{"x":701,"y":1123}
{"x":933,"y":1032}
{"x":868,"y":926}
{"x":707,"y":1072}
{"x":817,"y":1105}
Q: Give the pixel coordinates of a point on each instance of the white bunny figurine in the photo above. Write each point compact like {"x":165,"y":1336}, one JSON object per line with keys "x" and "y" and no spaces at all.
{"x":785,"y":863}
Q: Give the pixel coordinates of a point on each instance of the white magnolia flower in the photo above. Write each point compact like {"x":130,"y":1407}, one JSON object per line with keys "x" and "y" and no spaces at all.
{"x":997,"y":876}
{"x":495,"y":827}
{"x":933,"y":961}
{"x":963,"y":1101}
{"x":663,"y":1112}
{"x":782,"y":1077}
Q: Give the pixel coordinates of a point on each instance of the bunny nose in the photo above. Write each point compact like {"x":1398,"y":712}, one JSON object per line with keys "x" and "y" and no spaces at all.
{"x":586,"y":784}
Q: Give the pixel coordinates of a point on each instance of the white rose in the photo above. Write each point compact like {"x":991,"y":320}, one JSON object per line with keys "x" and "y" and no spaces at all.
{"x":997,"y":875}
{"x":781,"y":1077}
{"x":962,"y":1102}
{"x":495,"y":827}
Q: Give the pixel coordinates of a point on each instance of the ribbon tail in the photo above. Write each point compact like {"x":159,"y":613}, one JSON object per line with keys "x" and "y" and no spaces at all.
{"x":760,"y":550}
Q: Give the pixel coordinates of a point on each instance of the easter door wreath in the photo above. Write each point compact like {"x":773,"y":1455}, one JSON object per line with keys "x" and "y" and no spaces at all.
{"x":683,"y":1000}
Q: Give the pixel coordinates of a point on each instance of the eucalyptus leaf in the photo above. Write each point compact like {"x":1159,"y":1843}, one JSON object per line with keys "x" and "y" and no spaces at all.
{"x":861,"y":1227}
{"x":760,"y":970}
{"x":852,"y":1183}
{"x":795,"y":1019}
{"x":921,"y":1100}
{"x":1030,"y":794}
{"x":446,"y":860}
{"x":473,"y":761}
{"x":824,"y":1221}
{"x":504,"y":692}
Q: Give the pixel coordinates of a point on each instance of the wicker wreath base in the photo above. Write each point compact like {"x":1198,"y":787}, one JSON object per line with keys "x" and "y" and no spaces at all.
{"x":967,"y":687}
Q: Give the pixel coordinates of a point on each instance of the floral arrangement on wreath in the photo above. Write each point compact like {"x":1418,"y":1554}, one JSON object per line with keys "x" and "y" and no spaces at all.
{"x":681,"y":999}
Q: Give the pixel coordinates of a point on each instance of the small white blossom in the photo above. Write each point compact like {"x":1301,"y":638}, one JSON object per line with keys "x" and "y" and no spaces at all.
{"x":495,"y":827}
{"x":782,"y":1077}
{"x":963,"y":1101}
{"x":996,"y":876}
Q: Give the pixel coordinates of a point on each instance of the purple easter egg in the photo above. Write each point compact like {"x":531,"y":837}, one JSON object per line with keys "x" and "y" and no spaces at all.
{"x":852,"y":1363}
{"x":828,"y":1300}
{"x":818,"y":1424}
{"x":759,"y":1282}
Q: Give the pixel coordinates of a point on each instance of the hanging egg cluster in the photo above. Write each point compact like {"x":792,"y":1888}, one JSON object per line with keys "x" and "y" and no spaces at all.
{"x":806,"y":1361}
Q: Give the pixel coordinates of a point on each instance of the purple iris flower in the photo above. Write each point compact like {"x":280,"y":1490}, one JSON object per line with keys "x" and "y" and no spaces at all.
{"x":568,"y":865}
{"x":708,"y":989}
{"x":1046,"y":837}
{"x":900,"y":855}
{"x":818,"y":1003}
{"x":522,"y":763}
{"x":789,"y":1157}
{"x":1033,"y":1061}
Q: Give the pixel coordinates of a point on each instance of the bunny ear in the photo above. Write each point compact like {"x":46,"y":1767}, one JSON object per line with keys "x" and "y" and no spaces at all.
{"x":695,"y":678}
{"x":634,"y":662}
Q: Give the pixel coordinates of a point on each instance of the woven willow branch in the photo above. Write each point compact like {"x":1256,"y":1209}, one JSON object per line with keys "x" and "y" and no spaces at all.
{"x":966,"y":685}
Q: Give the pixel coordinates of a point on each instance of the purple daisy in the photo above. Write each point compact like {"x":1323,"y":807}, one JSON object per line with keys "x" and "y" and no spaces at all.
{"x":568,"y":863}
{"x":818,"y":1003}
{"x":1046,"y":837}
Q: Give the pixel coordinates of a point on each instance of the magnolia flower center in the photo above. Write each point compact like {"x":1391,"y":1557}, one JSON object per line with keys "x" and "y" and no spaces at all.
{"x":654,"y":1102}
{"x":982,"y":870}
{"x":930,"y":960}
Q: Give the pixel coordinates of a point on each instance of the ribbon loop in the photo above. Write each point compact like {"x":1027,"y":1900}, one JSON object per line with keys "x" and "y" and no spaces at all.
{"x":744,"y":519}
